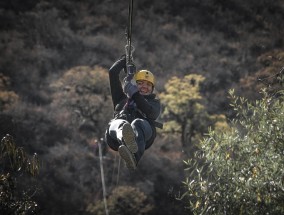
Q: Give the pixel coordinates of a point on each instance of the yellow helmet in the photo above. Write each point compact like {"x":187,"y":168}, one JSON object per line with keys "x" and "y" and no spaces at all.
{"x":145,"y":75}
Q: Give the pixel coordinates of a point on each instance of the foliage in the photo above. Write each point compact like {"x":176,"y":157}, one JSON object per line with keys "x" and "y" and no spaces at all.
{"x":184,"y":111}
{"x":41,"y":40}
{"x":179,"y":92}
{"x":268,"y":76}
{"x":69,"y":175}
{"x":84,"y":93}
{"x":240,"y":171}
{"x":18,"y":159}
{"x":14,"y":159}
{"x":124,"y":200}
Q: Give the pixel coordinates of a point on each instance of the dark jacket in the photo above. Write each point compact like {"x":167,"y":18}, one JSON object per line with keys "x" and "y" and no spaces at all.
{"x":146,"y":107}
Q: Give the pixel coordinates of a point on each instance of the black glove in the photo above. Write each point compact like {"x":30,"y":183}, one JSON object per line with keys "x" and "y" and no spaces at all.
{"x":119,"y":64}
{"x":128,"y":88}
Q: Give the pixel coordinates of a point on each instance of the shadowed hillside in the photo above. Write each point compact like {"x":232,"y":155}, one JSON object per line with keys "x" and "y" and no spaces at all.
{"x":54,"y":60}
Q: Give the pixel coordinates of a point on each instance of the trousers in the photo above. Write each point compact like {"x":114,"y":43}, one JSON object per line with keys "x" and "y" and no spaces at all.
{"x":142,"y":129}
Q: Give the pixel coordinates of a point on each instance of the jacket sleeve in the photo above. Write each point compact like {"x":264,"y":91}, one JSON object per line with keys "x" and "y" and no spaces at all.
{"x":115,"y":84}
{"x":151,"y":108}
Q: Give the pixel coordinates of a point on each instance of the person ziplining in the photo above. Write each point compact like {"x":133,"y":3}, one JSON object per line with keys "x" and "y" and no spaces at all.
{"x":133,"y":128}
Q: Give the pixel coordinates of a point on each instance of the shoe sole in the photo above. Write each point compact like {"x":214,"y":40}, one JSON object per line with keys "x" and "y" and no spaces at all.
{"x":129,"y":138}
{"x":127,"y":156}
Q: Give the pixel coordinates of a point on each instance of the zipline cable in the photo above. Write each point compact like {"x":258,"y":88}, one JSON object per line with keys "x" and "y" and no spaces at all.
{"x":129,"y":48}
{"x":114,"y":169}
{"x":118,"y":171}
{"x":129,"y":59}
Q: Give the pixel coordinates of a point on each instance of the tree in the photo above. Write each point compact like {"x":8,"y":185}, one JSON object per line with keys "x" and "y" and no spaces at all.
{"x":13,"y":160}
{"x":240,"y":171}
{"x":184,"y":111}
{"x":83,"y":94}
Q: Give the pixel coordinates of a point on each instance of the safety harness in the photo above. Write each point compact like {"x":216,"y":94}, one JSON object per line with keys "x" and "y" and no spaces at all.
{"x":130,"y":112}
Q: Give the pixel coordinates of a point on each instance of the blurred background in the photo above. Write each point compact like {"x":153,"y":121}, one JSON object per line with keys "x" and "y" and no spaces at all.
{"x":55,"y":98}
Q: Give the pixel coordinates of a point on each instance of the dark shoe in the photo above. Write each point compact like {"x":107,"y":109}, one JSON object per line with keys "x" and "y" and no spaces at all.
{"x":129,"y":137}
{"x":128,"y":157}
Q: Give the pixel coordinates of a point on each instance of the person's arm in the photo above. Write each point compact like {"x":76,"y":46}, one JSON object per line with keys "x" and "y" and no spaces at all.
{"x":151,"y":108}
{"x":116,"y":90}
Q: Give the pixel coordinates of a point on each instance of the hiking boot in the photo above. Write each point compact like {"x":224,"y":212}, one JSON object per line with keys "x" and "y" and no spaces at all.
{"x":127,"y":156}
{"x":129,"y":137}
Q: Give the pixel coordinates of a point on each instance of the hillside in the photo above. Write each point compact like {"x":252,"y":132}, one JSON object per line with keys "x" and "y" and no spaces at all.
{"x":50,"y":50}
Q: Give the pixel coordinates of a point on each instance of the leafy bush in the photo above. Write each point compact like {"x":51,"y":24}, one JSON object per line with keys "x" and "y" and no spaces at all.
{"x":241,"y":171}
{"x":124,"y":200}
{"x":13,"y":160}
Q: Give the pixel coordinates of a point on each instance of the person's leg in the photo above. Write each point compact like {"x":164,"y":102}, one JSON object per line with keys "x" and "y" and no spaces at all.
{"x":143,"y":131}
{"x":115,"y":129}
{"x":122,"y":131}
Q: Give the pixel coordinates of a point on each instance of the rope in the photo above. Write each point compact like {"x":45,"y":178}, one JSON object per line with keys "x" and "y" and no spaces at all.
{"x":102,"y":177}
{"x":118,"y":170}
{"x":113,"y":170}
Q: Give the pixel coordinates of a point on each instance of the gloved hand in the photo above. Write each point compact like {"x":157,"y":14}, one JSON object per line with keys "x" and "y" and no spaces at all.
{"x":119,"y":64}
{"x":128,"y":88}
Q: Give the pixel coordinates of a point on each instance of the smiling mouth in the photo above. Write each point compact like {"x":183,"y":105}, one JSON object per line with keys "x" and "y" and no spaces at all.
{"x":143,"y":91}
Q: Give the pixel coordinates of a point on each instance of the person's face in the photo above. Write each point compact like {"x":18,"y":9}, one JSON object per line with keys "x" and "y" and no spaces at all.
{"x":144,"y":87}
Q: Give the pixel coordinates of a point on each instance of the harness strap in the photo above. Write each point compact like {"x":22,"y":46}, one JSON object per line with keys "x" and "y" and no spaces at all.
{"x":158,"y":124}
{"x":155,"y":123}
